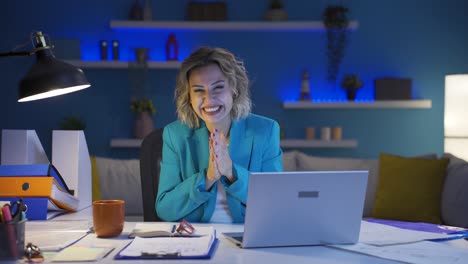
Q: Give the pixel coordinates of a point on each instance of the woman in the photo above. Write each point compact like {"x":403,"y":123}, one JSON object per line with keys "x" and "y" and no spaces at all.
{"x":209,"y":152}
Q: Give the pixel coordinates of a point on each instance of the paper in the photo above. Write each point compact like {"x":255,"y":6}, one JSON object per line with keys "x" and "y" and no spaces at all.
{"x":54,"y":240}
{"x":82,"y":253}
{"x":419,"y":226}
{"x":55,"y":235}
{"x":58,"y":225}
{"x":382,"y":235}
{"x":161,"y":247}
{"x":176,"y":246}
{"x":424,"y":252}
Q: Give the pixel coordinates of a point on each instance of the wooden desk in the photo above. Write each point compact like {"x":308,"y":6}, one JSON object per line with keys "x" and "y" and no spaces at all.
{"x":227,"y":252}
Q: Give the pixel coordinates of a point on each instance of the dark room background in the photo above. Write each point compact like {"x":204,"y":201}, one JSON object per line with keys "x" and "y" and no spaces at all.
{"x":418,"y":39}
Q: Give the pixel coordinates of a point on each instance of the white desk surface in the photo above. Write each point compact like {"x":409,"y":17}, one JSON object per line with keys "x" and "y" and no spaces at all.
{"x":228,"y":252}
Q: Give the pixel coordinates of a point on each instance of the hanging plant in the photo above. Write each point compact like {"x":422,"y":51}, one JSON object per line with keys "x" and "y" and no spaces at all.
{"x":336,"y":23}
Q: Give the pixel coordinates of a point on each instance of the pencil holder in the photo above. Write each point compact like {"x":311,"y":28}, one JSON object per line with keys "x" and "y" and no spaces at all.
{"x":12,"y":240}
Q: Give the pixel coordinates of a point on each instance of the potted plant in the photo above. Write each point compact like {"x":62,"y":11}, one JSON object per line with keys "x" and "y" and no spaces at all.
{"x":72,"y":123}
{"x":351,"y":83}
{"x":276,"y":11}
{"x":336,"y":22}
{"x":144,"y":109}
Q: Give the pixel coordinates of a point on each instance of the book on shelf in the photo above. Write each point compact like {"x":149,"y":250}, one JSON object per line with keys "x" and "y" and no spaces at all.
{"x":167,"y":230}
{"x":165,"y":244}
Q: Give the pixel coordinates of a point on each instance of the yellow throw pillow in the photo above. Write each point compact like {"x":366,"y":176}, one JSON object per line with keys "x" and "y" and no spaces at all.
{"x":410,"y":189}
{"x":96,"y":189}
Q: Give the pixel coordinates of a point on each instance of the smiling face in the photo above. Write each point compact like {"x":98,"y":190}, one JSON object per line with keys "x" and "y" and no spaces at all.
{"x":211,"y":96}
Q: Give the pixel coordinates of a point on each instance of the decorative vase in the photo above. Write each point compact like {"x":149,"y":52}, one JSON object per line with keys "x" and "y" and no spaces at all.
{"x":143,"y":125}
{"x":351,"y":94}
{"x":172,"y":48}
{"x":141,"y":55}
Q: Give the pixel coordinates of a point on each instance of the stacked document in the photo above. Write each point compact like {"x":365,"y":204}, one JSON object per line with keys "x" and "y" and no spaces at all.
{"x":200,"y":244}
{"x":39,"y":185}
{"x":408,"y":246}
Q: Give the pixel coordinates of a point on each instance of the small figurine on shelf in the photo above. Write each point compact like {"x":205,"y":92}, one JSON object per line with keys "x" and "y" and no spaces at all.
{"x":305,"y":89}
{"x":115,"y":49}
{"x":172,"y":48}
{"x":147,"y":11}
{"x":136,"y":11}
{"x":103,"y":48}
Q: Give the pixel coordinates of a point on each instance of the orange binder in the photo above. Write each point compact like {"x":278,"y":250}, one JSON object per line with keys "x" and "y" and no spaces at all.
{"x":33,"y":186}
{"x":25,"y":186}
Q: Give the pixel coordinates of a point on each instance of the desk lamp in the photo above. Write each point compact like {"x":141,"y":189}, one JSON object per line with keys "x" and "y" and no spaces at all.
{"x":48,"y":76}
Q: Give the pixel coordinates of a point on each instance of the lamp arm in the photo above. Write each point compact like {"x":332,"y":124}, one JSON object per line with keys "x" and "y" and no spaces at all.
{"x":16,"y":53}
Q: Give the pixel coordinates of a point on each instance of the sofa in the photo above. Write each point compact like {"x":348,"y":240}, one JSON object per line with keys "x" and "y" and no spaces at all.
{"x":120,"y":179}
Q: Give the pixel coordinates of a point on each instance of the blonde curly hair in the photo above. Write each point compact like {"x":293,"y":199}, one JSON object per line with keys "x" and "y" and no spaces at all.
{"x":232,"y":68}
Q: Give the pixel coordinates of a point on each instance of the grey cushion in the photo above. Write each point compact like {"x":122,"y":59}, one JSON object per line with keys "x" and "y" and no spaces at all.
{"x":454,"y":207}
{"x":120,"y":179}
{"x":311,"y":163}
{"x":289,"y":160}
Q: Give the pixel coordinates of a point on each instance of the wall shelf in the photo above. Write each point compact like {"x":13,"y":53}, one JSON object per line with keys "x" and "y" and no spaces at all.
{"x":124,"y":64}
{"x":359,"y":105}
{"x":222,"y":26}
{"x":125,"y":142}
{"x":286,"y":143}
{"x":304,"y":143}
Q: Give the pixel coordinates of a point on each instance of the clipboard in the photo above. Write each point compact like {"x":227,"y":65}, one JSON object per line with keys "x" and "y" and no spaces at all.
{"x":210,"y":253}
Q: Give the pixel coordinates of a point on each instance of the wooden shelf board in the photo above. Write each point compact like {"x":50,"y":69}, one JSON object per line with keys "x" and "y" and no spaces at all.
{"x":223,"y":25}
{"x":124,"y":64}
{"x":287,"y":143}
{"x":304,"y":143}
{"x":375,"y":104}
{"x":125,"y":142}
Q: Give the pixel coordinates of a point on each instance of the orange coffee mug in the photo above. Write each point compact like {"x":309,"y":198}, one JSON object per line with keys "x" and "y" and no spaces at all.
{"x":108,"y":217}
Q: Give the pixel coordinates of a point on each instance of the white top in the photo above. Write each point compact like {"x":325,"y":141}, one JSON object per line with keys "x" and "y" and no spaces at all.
{"x":221,"y":213}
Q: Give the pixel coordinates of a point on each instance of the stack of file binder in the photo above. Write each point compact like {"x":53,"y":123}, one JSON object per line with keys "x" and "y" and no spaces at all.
{"x":40,"y":186}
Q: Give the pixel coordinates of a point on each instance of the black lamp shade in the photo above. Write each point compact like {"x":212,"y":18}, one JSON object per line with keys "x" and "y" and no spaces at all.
{"x":50,"y":77}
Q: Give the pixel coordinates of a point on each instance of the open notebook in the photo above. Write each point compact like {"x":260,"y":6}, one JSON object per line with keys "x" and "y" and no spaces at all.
{"x":161,"y":229}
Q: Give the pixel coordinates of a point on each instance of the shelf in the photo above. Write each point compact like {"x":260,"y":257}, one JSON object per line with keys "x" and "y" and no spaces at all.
{"x":124,"y":64}
{"x":375,"y":104}
{"x":222,"y":26}
{"x":125,"y":143}
{"x":286,"y":143}
{"x":303,"y":143}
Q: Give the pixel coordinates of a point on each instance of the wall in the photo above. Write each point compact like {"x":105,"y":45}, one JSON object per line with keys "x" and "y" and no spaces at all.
{"x":423,"y":40}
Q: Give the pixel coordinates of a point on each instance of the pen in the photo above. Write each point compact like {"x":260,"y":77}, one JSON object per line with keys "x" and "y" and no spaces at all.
{"x":10,"y":229}
{"x":173,"y":228}
{"x":6,"y":213}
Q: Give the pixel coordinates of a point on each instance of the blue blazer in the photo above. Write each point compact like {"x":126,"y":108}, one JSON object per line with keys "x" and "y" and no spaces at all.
{"x":253,"y":147}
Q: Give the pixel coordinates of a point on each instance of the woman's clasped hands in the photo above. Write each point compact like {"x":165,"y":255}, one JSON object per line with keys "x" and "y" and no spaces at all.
{"x":220,"y":163}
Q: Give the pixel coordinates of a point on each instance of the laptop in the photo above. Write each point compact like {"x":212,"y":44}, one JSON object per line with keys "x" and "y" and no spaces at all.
{"x":302,"y":208}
